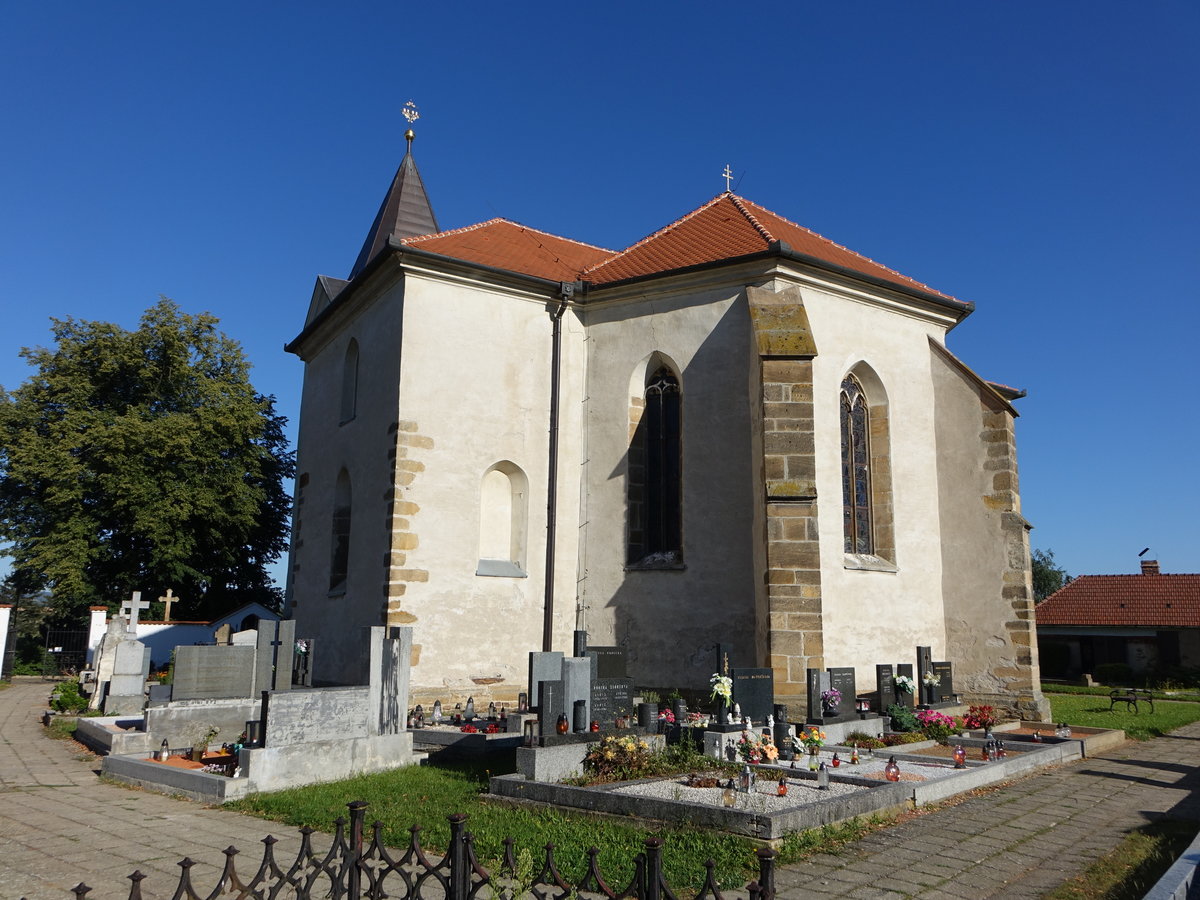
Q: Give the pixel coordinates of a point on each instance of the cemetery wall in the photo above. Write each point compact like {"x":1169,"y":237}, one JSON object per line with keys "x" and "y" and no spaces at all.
{"x":985,"y":572}
{"x":667,"y":618}
{"x":5,"y":618}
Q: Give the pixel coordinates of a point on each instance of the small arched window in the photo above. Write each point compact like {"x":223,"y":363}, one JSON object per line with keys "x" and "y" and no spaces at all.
{"x":349,"y":383}
{"x":655,"y":474}
{"x":339,"y":557}
{"x":856,"y":468}
{"x":503,"y":511}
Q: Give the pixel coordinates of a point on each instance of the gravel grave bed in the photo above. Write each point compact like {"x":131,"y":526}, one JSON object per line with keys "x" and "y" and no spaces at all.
{"x":762,"y":798}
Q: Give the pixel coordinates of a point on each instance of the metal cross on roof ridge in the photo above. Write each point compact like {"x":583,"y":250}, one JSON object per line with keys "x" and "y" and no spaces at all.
{"x":728,"y":176}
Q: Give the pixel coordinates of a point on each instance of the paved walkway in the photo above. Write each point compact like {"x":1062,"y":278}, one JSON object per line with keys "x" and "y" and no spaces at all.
{"x":60,"y":825}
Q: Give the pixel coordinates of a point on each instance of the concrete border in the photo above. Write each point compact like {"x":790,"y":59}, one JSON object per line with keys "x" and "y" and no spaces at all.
{"x":1179,"y":882}
{"x":190,"y":783}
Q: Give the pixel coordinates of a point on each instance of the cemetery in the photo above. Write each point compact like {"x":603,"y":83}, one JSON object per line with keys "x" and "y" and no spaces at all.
{"x":240,"y":718}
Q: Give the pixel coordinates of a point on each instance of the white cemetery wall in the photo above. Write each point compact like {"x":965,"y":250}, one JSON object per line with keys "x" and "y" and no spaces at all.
{"x":5,"y":616}
{"x":313,"y":715}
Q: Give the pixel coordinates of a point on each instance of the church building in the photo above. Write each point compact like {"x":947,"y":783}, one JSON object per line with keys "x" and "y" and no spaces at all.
{"x":733,"y":430}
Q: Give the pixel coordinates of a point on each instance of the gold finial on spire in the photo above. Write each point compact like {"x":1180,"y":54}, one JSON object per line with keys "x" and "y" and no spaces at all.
{"x":728,"y":176}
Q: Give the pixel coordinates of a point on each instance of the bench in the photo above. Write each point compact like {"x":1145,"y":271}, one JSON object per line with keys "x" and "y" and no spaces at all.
{"x":1130,"y":697}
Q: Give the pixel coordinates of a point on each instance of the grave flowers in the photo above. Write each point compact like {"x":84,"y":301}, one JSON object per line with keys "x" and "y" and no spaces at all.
{"x":755,"y":750}
{"x":831,"y":700}
{"x":904,"y":684}
{"x":980,"y":717}
{"x":722,"y":687}
{"x":617,"y":758}
{"x":812,"y":738}
{"x":937,"y":726}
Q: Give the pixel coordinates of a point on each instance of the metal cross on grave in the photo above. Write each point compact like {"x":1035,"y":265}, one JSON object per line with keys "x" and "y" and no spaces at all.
{"x":131,"y":608}
{"x":167,"y":599}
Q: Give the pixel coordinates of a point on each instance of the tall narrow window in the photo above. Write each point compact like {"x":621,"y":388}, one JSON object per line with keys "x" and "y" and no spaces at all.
{"x":856,"y":469}
{"x":655,"y":468}
{"x":349,"y":383}
{"x":339,"y":557}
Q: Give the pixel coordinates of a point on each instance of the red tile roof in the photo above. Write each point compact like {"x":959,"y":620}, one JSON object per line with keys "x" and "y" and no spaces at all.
{"x":729,"y":226}
{"x":507,"y":245}
{"x":1127,"y":600}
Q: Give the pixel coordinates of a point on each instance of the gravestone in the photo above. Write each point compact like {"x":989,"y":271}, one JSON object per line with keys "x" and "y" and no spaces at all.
{"x":127,"y":689}
{"x":754,"y":692}
{"x":817,"y":681}
{"x":924,"y":664}
{"x":131,"y":607}
{"x":842,"y":679}
{"x":906,"y":699}
{"x":209,"y":673}
{"x":224,"y":634}
{"x":104,"y":659}
{"x":551,"y":707}
{"x":577,"y":686}
{"x":273,"y":663}
{"x":886,"y":688}
{"x":612,"y":690}
{"x":945,"y":673}
{"x":724,"y":655}
{"x":545,"y":666}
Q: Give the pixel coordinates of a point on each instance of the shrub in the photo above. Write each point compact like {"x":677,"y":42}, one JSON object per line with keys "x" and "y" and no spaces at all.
{"x":908,"y":737}
{"x":618,"y":758}
{"x":903,"y":718}
{"x":1114,"y":674}
{"x":935,"y":725}
{"x":863,"y":741}
{"x":67,"y":699}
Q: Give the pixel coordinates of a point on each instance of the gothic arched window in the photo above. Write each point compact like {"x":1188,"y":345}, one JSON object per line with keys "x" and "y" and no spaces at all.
{"x":856,"y":468}
{"x":655,"y":474}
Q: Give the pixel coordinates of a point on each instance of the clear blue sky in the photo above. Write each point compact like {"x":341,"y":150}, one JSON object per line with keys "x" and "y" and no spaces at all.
{"x":1038,"y":159}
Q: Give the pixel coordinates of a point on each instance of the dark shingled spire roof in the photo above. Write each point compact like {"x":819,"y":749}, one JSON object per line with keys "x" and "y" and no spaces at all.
{"x":405,"y":212}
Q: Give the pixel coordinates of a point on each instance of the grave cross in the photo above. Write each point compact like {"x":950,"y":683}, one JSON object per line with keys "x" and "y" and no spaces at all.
{"x":131,"y":609}
{"x":168,"y":599}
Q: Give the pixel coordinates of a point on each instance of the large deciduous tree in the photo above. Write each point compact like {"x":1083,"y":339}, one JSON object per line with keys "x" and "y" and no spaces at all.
{"x":1047,"y":577}
{"x":143,"y":460}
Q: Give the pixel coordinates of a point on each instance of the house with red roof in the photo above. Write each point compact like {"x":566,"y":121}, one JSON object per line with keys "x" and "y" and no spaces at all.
{"x":732,"y":431}
{"x":1149,"y":621}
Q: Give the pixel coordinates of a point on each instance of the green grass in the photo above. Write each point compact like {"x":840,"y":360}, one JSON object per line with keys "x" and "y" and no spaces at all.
{"x":426,"y":795}
{"x":1093,"y":712}
{"x":1133,"y":867}
{"x":62,"y":728}
{"x":1102,"y":691}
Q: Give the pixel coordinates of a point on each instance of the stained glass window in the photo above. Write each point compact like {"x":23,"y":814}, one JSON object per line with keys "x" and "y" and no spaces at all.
{"x":856,"y":469}
{"x":655,"y":491}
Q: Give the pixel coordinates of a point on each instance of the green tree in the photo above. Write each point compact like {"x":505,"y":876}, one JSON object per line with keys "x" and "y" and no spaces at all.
{"x":142,"y":460}
{"x":1047,"y":577}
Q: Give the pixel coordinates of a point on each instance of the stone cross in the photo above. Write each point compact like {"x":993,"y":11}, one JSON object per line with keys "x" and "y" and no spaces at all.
{"x":728,"y":176}
{"x":167,"y":599}
{"x":132,"y":608}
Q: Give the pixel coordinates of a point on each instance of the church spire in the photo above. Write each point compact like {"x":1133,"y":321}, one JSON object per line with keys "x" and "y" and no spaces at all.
{"x":405,"y":211}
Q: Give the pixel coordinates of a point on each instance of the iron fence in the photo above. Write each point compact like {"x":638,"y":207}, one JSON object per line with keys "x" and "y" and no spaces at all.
{"x":354,"y":868}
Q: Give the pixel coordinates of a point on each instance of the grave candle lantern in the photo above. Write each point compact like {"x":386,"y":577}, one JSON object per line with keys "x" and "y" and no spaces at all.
{"x":530,"y":737}
{"x":836,"y":761}
{"x":960,"y":757}
{"x":492,"y":711}
{"x":522,"y":702}
{"x":891,"y":771}
{"x":437,"y":712}
{"x":562,"y":726}
{"x":469,"y":712}
{"x":729,"y":795}
{"x":854,"y":756}
{"x":823,"y":778}
{"x":163,"y":751}
{"x":744,"y":779}
{"x":783,"y":787}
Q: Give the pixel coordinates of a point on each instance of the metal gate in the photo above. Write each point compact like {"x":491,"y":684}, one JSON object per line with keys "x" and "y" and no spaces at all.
{"x":66,"y":652}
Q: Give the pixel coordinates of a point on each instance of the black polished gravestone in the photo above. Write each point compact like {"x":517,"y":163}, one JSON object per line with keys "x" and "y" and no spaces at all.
{"x":885,"y":687}
{"x":554,"y":704}
{"x":842,"y":680}
{"x":611,"y":697}
{"x":924,"y":666}
{"x":906,"y":699}
{"x":754,"y":692}
{"x":607,"y":662}
{"x":945,"y":688}
{"x":817,"y":683}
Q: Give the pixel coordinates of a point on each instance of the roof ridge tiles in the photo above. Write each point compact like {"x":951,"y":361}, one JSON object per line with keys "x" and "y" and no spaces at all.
{"x":862,"y":256}
{"x":650,"y":237}
{"x":762,"y":229}
{"x":501,"y":220}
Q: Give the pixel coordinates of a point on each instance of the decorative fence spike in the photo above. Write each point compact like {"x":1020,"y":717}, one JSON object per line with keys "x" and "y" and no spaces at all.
{"x":355,"y":868}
